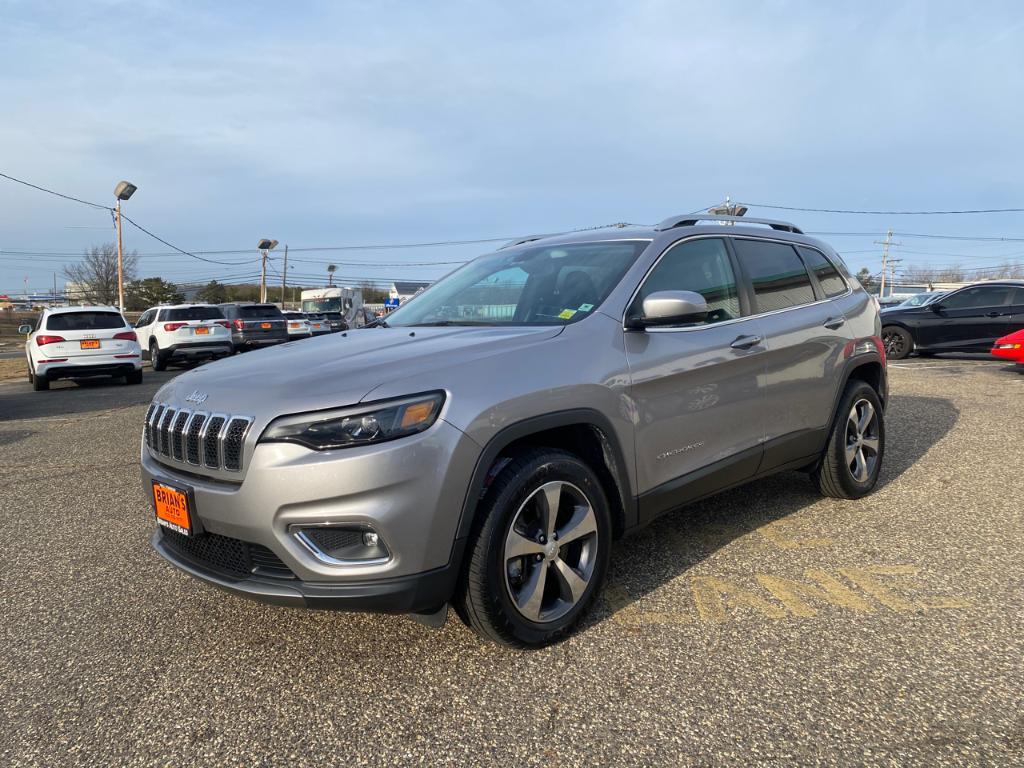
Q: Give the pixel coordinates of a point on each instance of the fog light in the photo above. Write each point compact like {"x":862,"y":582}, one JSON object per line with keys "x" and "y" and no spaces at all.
{"x":342,"y":544}
{"x":370,"y":539}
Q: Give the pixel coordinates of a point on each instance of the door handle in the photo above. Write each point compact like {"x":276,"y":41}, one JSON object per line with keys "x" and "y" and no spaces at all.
{"x":994,"y":314}
{"x":834,"y":323}
{"x":746,"y":342}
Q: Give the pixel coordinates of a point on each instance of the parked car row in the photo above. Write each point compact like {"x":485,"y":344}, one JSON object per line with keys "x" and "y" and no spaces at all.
{"x":81,"y":342}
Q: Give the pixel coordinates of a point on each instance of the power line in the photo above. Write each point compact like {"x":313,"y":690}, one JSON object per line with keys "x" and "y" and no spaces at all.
{"x":883,"y":213}
{"x":171,"y":245}
{"x":58,"y":194}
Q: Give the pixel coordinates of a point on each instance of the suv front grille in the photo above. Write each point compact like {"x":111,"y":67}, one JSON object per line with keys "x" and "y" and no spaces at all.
{"x":195,"y":438}
{"x":232,"y":557}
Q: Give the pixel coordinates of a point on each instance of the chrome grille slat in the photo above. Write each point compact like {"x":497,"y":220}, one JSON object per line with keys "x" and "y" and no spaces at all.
{"x":214,"y":441}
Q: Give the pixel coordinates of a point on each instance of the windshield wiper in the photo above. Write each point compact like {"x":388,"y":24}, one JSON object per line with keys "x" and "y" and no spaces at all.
{"x":380,"y":322}
{"x":441,"y":323}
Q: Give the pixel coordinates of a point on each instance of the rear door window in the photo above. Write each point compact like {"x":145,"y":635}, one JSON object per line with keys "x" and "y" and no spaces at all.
{"x":84,"y":321}
{"x":777,"y":274}
{"x":260,"y":312}
{"x":831,"y":282}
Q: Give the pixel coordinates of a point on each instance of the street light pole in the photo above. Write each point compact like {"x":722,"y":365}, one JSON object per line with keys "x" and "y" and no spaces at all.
{"x":123,"y":191}
{"x":284,"y":275}
{"x":265,"y":246}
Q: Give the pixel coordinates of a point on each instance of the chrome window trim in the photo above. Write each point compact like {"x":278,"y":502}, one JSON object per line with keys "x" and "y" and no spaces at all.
{"x":705,"y":236}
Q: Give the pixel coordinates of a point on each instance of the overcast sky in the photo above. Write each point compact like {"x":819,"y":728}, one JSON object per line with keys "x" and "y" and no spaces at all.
{"x":386,"y":122}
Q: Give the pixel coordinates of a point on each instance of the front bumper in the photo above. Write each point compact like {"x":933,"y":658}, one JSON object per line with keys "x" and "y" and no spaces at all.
{"x":420,"y":593}
{"x":410,"y":491}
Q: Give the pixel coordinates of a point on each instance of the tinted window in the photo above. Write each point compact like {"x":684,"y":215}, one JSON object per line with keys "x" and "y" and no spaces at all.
{"x":778,"y":276}
{"x":828,"y":276}
{"x":193,"y":313}
{"x":260,"y":312}
{"x":84,"y":321}
{"x":701,"y":266}
{"x":979,"y":296}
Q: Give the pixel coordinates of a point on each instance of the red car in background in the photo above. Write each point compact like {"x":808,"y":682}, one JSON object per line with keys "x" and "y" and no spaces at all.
{"x":1010,"y":347}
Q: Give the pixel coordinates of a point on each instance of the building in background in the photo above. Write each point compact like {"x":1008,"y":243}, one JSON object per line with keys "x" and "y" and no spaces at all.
{"x":403,"y":290}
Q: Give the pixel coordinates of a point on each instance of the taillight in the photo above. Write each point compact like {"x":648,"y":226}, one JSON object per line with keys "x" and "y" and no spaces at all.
{"x":174,"y":326}
{"x":126,"y":336}
{"x":223,"y":323}
{"x":41,"y":340}
{"x":239,"y":324}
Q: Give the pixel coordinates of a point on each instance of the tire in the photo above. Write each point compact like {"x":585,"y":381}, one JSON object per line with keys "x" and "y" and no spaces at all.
{"x":493,"y":596}
{"x":156,"y":357}
{"x":898,"y":342}
{"x":847,"y":469}
{"x":40,"y":383}
{"x":135,"y":377}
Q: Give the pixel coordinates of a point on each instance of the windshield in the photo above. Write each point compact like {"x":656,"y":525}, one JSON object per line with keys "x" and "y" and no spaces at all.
{"x":333,"y":304}
{"x":194,"y":313}
{"x":921,"y":299}
{"x":548,"y":285}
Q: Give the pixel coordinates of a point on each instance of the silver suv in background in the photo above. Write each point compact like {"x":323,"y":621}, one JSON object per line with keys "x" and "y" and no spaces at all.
{"x":485,"y":444}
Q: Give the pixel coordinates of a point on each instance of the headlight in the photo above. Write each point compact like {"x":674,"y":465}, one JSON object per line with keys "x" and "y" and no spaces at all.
{"x":358,"y":425}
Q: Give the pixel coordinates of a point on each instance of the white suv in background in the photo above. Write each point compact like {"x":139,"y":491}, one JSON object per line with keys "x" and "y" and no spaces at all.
{"x":184,"y":331}
{"x":79,"y":342}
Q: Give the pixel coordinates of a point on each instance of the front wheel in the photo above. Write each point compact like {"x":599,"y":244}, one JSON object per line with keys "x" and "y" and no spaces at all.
{"x":852,"y":459}
{"x":540,"y":552}
{"x":898,"y":342}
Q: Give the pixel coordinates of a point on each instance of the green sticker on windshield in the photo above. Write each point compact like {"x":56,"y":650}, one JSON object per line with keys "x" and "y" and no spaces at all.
{"x":586,"y":307}
{"x":565,"y":314}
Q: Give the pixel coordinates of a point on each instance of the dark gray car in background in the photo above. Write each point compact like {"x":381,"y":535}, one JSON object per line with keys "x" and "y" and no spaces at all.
{"x":255,"y":325}
{"x":484,"y":445}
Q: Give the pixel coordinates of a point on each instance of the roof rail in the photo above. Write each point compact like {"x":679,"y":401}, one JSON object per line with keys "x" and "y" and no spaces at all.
{"x":690,"y":220}
{"x":527,"y":239}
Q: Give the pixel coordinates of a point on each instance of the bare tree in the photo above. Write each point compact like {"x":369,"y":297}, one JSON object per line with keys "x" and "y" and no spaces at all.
{"x":918,"y":274}
{"x":95,"y":277}
{"x":954,"y":273}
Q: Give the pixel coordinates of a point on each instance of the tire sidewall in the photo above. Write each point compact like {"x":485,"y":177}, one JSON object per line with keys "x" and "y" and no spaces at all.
{"x":501,"y":513}
{"x":851,"y":485}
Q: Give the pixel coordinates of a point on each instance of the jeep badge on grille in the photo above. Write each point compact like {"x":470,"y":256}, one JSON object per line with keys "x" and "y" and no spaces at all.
{"x":197,"y":397}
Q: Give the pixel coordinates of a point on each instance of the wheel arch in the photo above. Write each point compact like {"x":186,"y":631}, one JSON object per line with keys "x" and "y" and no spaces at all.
{"x":584,"y":432}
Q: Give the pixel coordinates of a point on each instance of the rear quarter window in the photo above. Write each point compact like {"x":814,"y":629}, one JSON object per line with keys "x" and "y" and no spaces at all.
{"x":84,"y":321}
{"x":831,"y":282}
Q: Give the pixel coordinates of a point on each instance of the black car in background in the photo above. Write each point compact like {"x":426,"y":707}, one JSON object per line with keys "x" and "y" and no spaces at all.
{"x":255,"y":325}
{"x":966,"y":320}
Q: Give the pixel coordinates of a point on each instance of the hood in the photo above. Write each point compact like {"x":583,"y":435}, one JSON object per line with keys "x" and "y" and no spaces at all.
{"x":337,"y":370}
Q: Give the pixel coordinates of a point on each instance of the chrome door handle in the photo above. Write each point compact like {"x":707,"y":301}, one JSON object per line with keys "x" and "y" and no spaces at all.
{"x":746,"y":342}
{"x":834,"y":323}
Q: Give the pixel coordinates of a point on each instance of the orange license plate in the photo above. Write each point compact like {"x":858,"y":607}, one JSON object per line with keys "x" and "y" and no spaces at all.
{"x":202,"y":329}
{"x":265,"y":326}
{"x":172,"y":508}
{"x":90,"y":343}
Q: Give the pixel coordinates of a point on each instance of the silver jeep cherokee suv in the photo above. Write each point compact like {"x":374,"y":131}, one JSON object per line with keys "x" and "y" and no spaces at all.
{"x":486,"y":443}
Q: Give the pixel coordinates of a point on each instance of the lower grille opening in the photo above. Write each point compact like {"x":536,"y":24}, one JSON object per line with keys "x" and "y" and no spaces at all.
{"x":227,"y":555}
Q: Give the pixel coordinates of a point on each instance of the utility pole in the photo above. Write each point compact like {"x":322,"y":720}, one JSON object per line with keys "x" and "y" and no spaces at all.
{"x":54,"y":301}
{"x":885,"y":260}
{"x":284,"y":276}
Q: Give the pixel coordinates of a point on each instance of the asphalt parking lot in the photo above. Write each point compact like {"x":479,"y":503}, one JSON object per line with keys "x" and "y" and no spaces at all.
{"x":766,"y":625}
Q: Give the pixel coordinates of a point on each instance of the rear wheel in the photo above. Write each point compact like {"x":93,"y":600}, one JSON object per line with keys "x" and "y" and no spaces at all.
{"x":852,"y":460}
{"x":39,"y":382}
{"x":540,"y":553}
{"x":135,"y":377}
{"x":156,"y":357}
{"x":898,"y":342}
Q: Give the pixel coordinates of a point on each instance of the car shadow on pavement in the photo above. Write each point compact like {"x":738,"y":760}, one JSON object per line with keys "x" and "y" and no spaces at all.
{"x":680,"y":540}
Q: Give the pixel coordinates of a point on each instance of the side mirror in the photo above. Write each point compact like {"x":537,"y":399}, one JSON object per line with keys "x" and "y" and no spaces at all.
{"x":937,"y":307}
{"x":26,"y":328}
{"x":670,"y":308}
